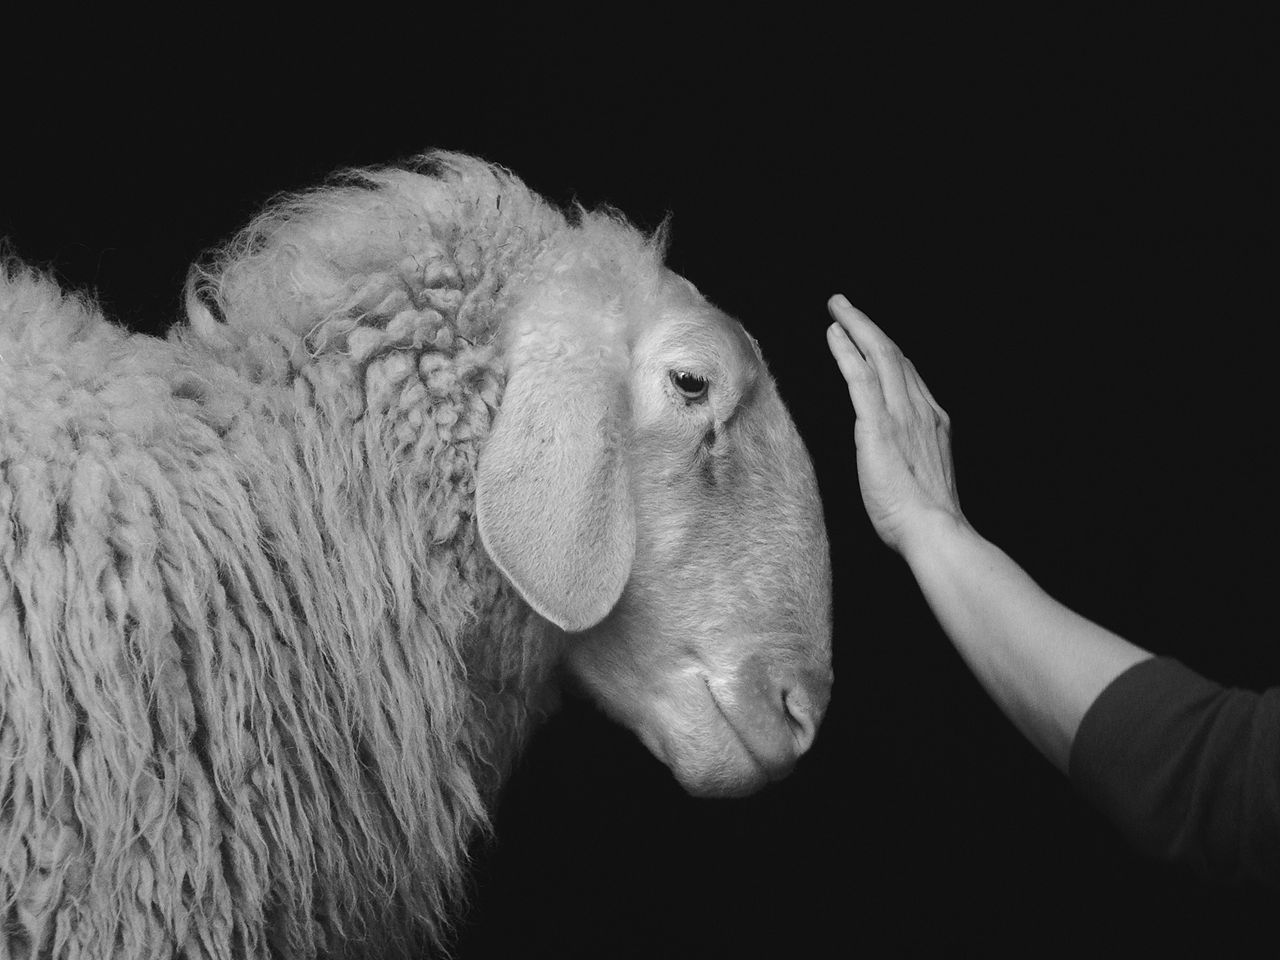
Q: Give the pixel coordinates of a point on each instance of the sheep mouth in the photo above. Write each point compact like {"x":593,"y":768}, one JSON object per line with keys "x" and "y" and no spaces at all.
{"x":775,"y":768}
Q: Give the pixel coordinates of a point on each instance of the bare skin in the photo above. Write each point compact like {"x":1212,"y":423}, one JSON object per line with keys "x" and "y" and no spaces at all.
{"x":1043,"y":664}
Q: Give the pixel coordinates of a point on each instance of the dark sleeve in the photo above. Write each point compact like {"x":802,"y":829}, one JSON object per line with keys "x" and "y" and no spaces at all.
{"x":1188,"y":770}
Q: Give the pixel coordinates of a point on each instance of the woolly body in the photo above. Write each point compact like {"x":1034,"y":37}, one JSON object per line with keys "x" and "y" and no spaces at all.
{"x":258,"y":676}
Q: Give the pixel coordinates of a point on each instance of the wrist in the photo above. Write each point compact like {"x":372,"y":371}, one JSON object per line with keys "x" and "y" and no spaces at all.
{"x":930,"y":534}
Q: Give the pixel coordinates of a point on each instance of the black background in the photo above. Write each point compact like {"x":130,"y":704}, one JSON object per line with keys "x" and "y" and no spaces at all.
{"x":1069,"y":225}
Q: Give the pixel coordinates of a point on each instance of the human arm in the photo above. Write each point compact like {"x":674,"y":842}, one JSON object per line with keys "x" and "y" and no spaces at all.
{"x":1186,"y":769}
{"x":1042,"y":664}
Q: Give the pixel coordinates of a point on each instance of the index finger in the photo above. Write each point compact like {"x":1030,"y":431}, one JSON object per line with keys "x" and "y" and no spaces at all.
{"x":862,"y":330}
{"x":864,"y":384}
{"x":881,"y":353}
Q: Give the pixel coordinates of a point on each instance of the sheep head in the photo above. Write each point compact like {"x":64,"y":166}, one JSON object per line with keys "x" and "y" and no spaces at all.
{"x":645,"y":489}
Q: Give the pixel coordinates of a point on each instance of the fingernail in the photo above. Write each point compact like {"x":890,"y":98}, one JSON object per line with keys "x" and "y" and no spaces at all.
{"x":843,"y":301}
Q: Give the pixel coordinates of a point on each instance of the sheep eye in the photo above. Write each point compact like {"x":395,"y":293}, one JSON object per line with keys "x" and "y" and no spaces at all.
{"x":691,"y":386}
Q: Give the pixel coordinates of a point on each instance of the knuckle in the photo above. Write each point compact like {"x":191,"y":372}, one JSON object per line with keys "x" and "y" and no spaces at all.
{"x":888,"y":350}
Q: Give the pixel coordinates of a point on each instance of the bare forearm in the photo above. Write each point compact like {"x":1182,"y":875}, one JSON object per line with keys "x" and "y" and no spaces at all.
{"x":1043,"y":664}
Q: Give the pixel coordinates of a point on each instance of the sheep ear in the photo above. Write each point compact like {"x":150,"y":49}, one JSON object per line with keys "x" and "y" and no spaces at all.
{"x":553,"y":498}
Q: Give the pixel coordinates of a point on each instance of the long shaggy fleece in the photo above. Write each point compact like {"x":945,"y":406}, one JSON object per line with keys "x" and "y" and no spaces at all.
{"x":258,"y":678}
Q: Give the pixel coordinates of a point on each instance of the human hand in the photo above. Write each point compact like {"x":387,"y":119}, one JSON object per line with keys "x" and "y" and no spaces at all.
{"x":902,"y":435}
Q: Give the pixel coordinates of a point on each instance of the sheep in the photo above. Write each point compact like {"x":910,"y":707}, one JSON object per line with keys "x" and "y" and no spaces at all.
{"x":283,"y":594}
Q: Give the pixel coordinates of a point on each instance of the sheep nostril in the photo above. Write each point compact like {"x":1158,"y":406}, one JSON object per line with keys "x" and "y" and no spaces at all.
{"x":800,"y":716}
{"x":804,"y":701}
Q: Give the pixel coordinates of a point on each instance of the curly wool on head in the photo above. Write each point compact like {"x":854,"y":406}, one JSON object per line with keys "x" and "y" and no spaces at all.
{"x":258,"y":678}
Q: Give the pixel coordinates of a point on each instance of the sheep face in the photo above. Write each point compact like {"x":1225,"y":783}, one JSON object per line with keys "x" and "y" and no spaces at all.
{"x":717,"y":653}
{"x":646,"y":490}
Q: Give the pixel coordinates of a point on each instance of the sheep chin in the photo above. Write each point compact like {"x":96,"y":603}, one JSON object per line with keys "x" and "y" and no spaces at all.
{"x":719,"y":768}
{"x":722,"y":787}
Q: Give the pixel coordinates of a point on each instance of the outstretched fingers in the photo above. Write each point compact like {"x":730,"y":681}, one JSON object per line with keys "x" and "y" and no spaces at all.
{"x":864,"y":386}
{"x":878,"y":350}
